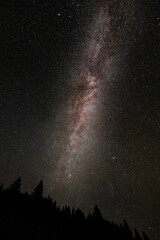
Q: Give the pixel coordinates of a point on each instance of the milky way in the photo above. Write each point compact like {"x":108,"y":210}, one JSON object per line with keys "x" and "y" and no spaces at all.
{"x":94,"y":165}
{"x":85,"y":102}
{"x":90,"y":87}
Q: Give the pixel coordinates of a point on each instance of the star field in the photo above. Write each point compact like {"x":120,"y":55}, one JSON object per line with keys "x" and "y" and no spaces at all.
{"x":79,"y":104}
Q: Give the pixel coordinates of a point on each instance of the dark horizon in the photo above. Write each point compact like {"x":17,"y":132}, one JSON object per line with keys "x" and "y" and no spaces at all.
{"x":33,"y":216}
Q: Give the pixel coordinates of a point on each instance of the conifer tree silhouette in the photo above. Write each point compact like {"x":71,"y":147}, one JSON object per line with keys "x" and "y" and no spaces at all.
{"x":79,"y":215}
{"x":73,"y":212}
{"x":32,"y":216}
{"x":97,"y":213}
{"x":15,"y":187}
{"x":38,"y":191}
{"x":1,"y":188}
{"x":145,"y":237}
{"x":127,"y":230}
{"x":89,"y":217}
{"x":137,"y":235}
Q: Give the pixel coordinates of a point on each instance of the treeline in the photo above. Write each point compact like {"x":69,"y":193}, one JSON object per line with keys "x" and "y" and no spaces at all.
{"x":26,"y":216}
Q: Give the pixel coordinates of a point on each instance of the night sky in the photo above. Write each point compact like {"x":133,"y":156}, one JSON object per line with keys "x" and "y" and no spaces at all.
{"x":79,"y":104}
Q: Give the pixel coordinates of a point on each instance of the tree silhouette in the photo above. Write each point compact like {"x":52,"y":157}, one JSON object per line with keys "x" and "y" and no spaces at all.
{"x":137,"y":235}
{"x":73,"y":211}
{"x":89,"y":217}
{"x":97,"y":213}
{"x":34,"y":217}
{"x":15,"y":186}
{"x":127,"y":230}
{"x":79,"y":215}
{"x":38,"y":191}
{"x":145,"y":237}
{"x":1,"y":188}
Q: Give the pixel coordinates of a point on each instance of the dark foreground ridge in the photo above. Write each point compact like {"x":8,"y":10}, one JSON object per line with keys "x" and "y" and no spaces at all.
{"x":28,"y":217}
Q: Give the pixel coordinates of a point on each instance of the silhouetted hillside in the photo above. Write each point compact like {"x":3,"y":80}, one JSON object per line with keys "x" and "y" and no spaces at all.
{"x":28,"y":217}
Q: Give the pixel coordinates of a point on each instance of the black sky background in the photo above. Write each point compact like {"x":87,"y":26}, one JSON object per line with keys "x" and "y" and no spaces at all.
{"x":39,"y":46}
